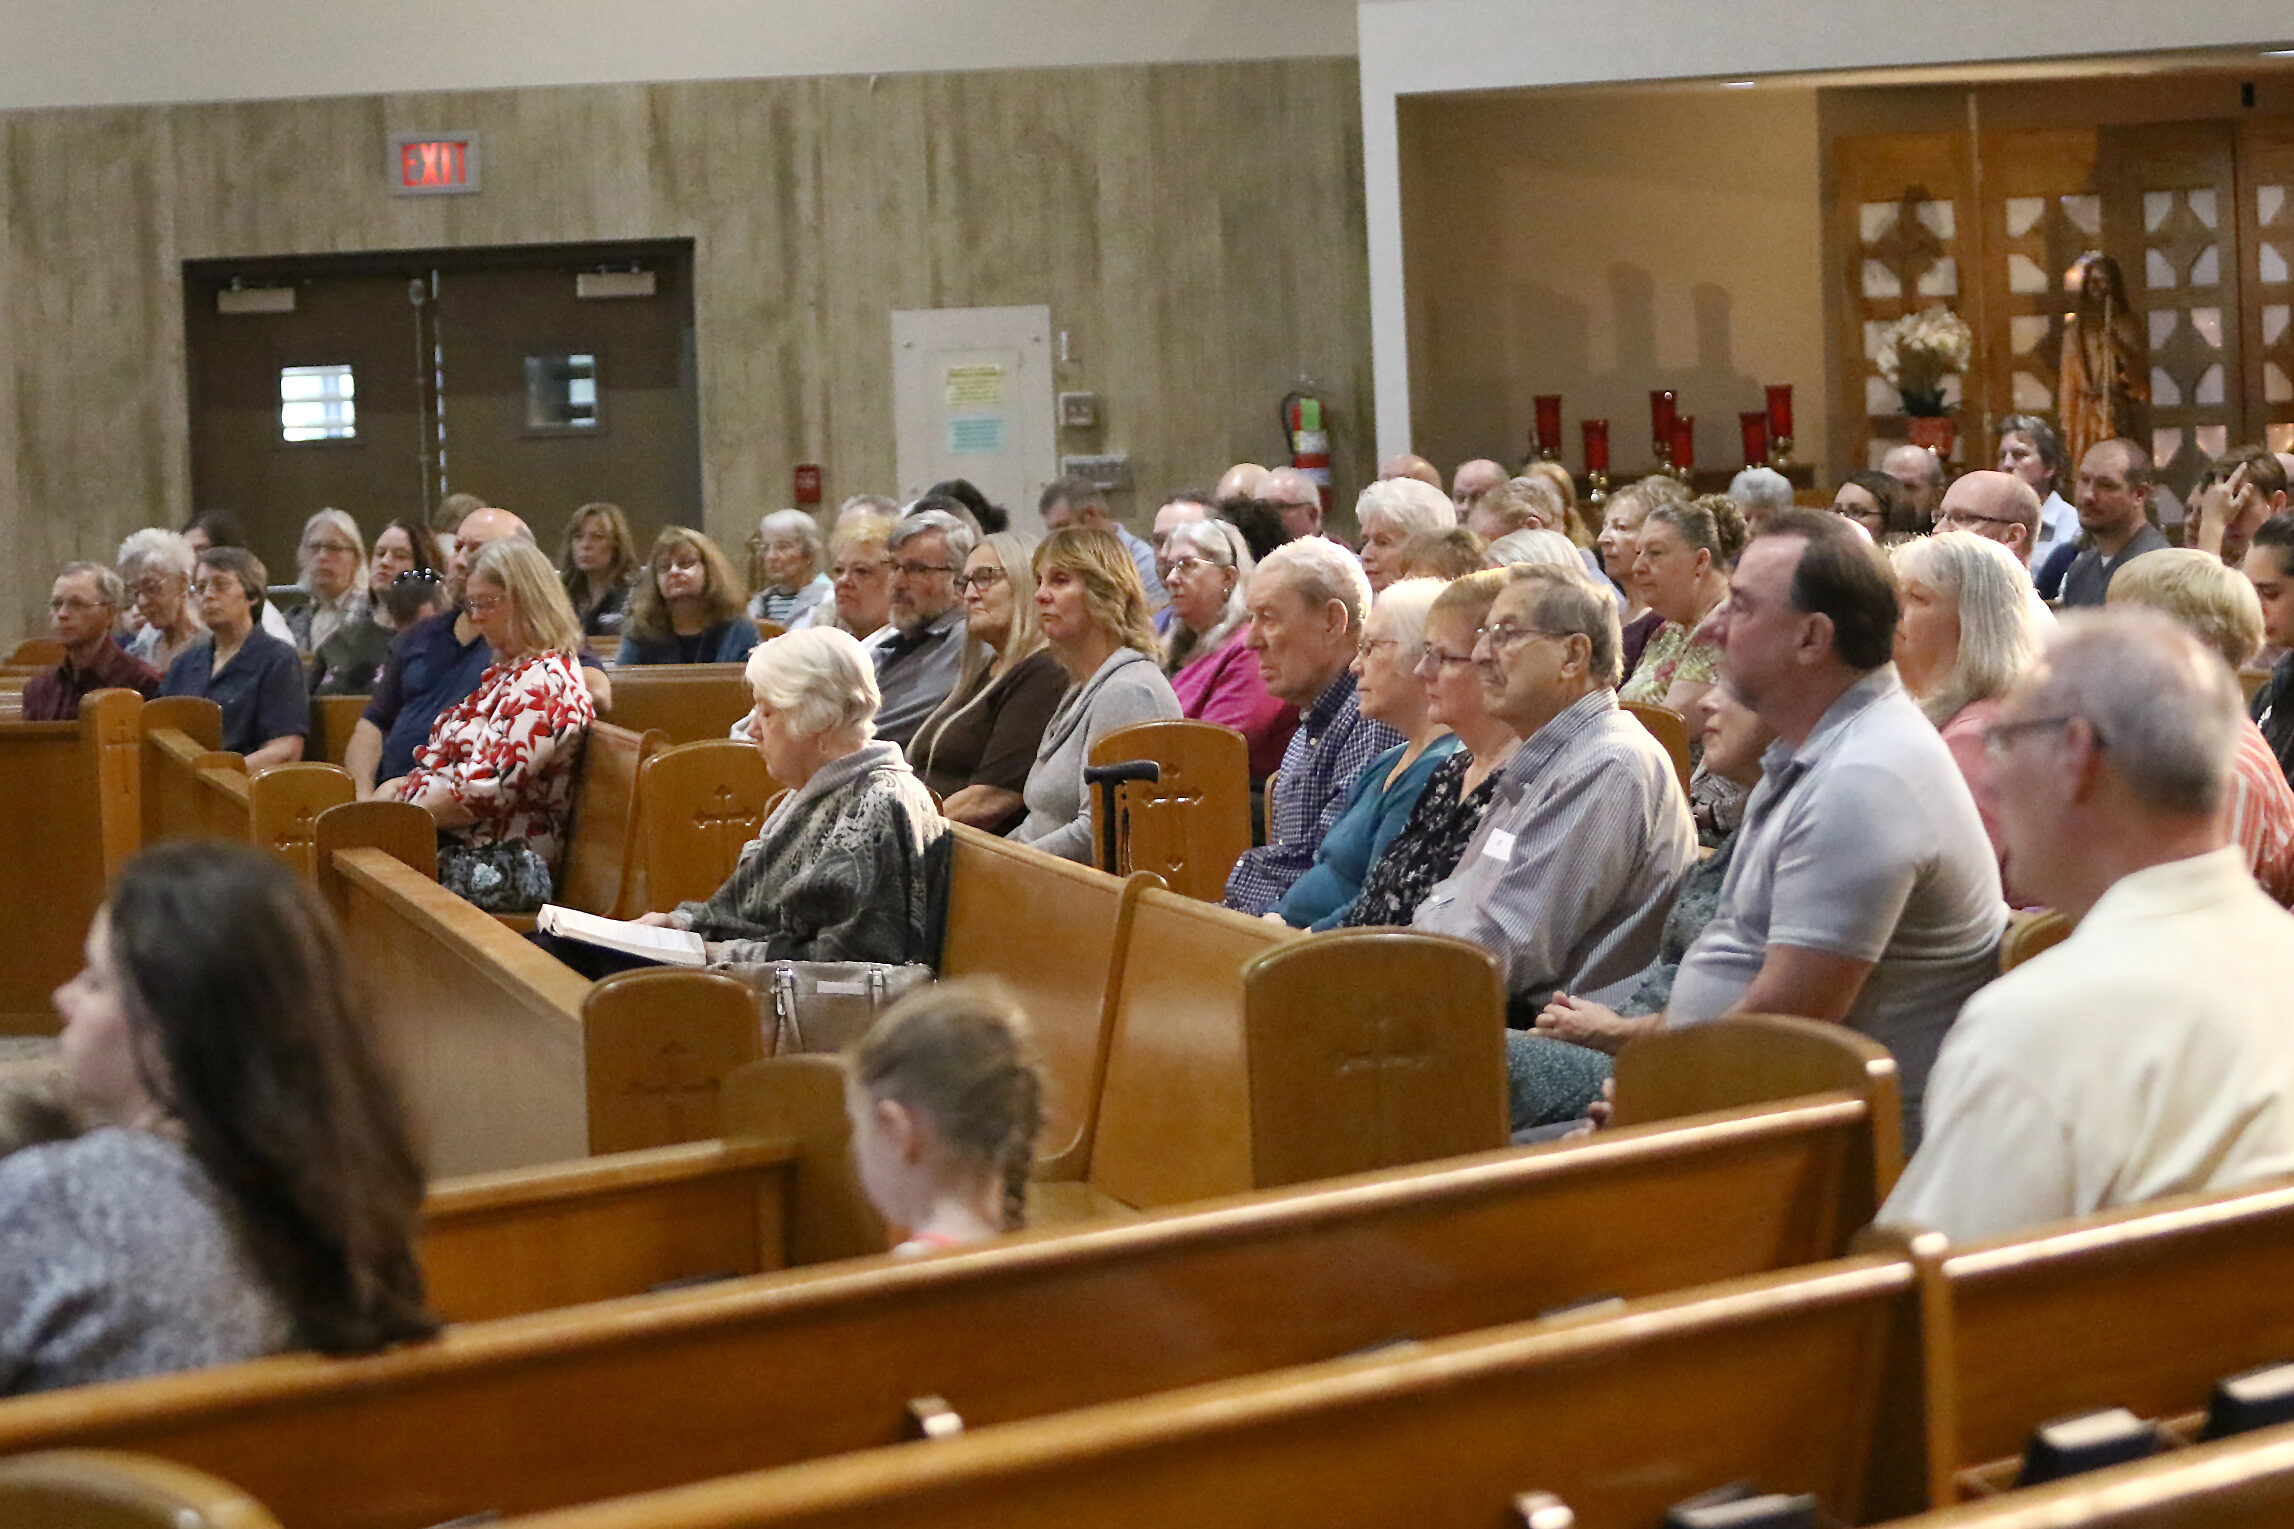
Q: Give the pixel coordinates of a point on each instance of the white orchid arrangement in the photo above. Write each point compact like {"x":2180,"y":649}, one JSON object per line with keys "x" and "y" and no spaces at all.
{"x":1920,"y":350}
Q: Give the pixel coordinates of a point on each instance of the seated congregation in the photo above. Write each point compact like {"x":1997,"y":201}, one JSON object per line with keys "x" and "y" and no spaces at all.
{"x":1892,"y":743}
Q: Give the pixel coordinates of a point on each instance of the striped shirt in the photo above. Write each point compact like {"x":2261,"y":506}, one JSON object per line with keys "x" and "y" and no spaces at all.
{"x":1570,"y":875}
{"x":2258,"y":813}
{"x":1334,"y":744}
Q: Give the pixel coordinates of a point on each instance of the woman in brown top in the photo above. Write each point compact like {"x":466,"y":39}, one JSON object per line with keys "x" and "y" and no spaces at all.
{"x":976,"y":750}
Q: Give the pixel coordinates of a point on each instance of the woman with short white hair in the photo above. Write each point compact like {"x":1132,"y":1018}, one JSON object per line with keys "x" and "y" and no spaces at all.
{"x":837,"y":870}
{"x":1969,"y":628}
{"x":791,"y":574}
{"x":157,"y":566}
{"x":1390,"y":689}
{"x":1390,"y":512}
{"x":332,"y":557}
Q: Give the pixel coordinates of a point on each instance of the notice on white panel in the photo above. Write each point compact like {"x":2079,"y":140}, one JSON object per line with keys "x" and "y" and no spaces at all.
{"x":979,"y":435}
{"x":975,"y":387}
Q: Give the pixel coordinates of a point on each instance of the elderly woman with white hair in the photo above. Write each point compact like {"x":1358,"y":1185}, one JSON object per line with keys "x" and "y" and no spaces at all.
{"x":1390,"y":512}
{"x":157,"y":566}
{"x":1969,"y":628}
{"x":791,"y":575}
{"x":1389,"y":688}
{"x":837,"y":871}
{"x":332,"y":557}
{"x":1215,"y":676}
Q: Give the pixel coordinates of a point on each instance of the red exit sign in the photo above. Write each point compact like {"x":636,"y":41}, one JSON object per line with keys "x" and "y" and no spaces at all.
{"x":433,"y":164}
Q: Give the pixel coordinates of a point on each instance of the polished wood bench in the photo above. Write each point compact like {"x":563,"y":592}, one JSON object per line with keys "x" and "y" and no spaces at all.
{"x":193,"y":790}
{"x":688,"y":702}
{"x":333,"y":719}
{"x":99,"y":1489}
{"x":72,"y":803}
{"x":2238,"y":1483}
{"x":577,"y":1405}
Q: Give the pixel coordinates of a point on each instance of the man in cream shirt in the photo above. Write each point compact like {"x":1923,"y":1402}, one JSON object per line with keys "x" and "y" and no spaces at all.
{"x":2152,"y":1052}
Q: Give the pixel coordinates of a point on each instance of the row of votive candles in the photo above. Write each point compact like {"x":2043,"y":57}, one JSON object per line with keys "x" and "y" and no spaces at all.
{"x":1672,"y":434}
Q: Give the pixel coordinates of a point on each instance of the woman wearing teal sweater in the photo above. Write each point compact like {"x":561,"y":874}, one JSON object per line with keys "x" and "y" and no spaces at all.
{"x":1379,"y":802}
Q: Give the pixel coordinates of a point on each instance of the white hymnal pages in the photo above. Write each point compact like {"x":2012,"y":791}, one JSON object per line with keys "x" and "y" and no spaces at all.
{"x":677,"y":947}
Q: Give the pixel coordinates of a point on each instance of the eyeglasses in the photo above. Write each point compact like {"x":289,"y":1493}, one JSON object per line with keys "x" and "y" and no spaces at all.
{"x":1950,"y":519}
{"x":1998,"y":735}
{"x":1189,"y":565}
{"x":144,"y":589}
{"x":482,"y":605}
{"x":1438,"y":660}
{"x":980,"y":578}
{"x":343,"y":547}
{"x":75,"y":605}
{"x":671,"y":565}
{"x":221,"y":583}
{"x":919,"y":570}
{"x":1501,"y":635}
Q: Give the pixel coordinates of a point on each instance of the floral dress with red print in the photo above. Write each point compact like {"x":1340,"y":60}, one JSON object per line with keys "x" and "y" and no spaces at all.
{"x":508,"y":752}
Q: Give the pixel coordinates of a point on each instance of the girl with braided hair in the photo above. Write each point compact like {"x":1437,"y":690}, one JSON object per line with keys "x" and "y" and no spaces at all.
{"x":945,"y":1103}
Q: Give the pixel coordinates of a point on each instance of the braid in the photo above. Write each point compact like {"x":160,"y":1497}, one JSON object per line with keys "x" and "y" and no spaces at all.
{"x":1017,"y":1155}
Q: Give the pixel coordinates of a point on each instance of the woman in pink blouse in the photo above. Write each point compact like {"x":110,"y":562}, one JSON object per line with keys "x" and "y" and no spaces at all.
{"x":1216,"y":677}
{"x":497,"y":773}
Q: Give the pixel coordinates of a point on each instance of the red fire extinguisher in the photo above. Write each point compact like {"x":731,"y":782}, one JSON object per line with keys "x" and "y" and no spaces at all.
{"x":1309,"y":436}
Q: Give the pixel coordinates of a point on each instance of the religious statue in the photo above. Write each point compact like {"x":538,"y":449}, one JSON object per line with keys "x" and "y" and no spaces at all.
{"x":2106,"y":388}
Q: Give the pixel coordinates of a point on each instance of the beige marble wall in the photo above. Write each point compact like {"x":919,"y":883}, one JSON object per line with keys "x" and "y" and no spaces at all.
{"x":1196,"y":228}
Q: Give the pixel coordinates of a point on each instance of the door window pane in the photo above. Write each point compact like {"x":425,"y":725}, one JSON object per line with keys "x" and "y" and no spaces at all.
{"x":561,"y":392}
{"x":317,"y":403}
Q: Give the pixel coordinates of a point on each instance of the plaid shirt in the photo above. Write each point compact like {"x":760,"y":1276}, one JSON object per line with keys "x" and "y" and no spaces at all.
{"x":1333,"y":744}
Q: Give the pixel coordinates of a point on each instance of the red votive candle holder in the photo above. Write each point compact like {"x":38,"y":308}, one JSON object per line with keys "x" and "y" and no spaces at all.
{"x":1755,"y":428}
{"x":1548,"y":424}
{"x":1684,"y":443}
{"x":1663,"y":406}
{"x":1596,"y":445}
{"x":1780,"y":411}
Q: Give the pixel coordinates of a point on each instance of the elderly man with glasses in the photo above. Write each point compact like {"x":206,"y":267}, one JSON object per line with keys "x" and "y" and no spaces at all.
{"x":919,"y":659}
{"x":1569,"y":877}
{"x":2150,"y":1053}
{"x":83,"y":606}
{"x":1996,"y":506}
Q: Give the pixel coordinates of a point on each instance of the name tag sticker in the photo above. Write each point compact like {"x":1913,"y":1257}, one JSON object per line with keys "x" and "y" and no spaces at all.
{"x":1500,"y":846}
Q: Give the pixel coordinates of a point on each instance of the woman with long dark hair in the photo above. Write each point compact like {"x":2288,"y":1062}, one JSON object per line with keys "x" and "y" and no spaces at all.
{"x":250,"y":1186}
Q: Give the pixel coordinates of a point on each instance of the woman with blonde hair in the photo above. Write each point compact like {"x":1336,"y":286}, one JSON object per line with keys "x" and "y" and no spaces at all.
{"x":975,"y":751}
{"x":688,"y":606}
{"x":860,"y":578}
{"x":599,"y":566}
{"x":1970,"y":626}
{"x":1214,"y":675}
{"x":1093,"y":610}
{"x":497,"y":773}
{"x":945,"y":1102}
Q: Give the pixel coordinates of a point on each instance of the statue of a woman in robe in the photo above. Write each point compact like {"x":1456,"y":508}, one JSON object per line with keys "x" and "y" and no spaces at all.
{"x":2106,"y":388}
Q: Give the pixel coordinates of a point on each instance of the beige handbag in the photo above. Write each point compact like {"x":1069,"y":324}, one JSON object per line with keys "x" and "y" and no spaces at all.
{"x":825,"y":1006}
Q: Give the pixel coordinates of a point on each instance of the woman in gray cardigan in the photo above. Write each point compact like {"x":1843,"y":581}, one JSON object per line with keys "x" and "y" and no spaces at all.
{"x":1093,"y":611}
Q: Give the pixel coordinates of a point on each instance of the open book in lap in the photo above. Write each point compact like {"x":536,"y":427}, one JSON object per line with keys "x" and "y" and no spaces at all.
{"x":647,"y":942}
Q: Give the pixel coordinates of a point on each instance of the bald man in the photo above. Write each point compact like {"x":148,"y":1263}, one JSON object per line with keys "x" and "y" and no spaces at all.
{"x":1241,"y":481}
{"x":1921,"y":472}
{"x":1998,"y":506}
{"x":1408,"y":466}
{"x":1472,"y":480}
{"x":1296,"y":497}
{"x":435,"y":665}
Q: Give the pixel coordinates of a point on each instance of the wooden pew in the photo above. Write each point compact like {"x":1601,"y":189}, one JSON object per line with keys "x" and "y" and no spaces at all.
{"x":602,"y":873}
{"x":36,"y":653}
{"x":2143,"y":1309}
{"x":688,"y":702}
{"x":1669,"y":728}
{"x":333,"y":719}
{"x":193,"y":790}
{"x":93,"y":1489}
{"x":2237,"y":1483}
{"x":697,"y":805}
{"x":71,"y":795}
{"x":1787,"y":1381}
{"x":572,"y":1406}
{"x":490,"y":1037}
{"x":1193,"y":824}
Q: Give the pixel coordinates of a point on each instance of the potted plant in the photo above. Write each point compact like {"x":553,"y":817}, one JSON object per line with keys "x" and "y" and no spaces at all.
{"x":1918,"y":354}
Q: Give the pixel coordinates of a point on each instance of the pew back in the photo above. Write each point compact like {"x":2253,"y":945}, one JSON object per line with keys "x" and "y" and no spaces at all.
{"x":1669,"y":728}
{"x":686,"y":702}
{"x":2239,"y":1483}
{"x":333,"y":719}
{"x":97,"y":1489}
{"x":1053,"y":933}
{"x":71,"y":791}
{"x":570,"y":1407}
{"x":1191,"y":825}
{"x":657,"y":1047}
{"x":698,"y":804}
{"x":601,"y":865}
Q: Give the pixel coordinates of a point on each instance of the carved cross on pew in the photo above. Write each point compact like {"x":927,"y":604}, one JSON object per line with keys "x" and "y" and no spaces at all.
{"x":673,"y":1079}
{"x":296,"y":839}
{"x":1164,"y":806}
{"x":1389,"y":1051}
{"x":722,"y":813}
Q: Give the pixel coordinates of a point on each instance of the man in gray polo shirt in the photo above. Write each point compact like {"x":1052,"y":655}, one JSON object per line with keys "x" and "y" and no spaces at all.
{"x":1863,"y":890}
